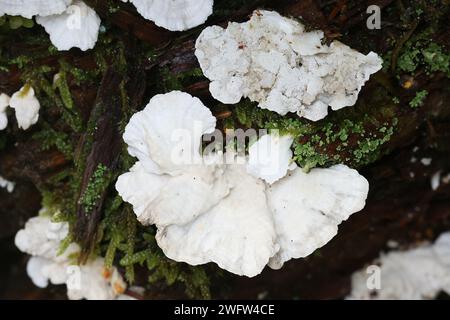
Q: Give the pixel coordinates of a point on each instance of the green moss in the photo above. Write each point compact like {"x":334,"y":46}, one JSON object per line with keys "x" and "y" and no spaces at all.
{"x":436,"y":59}
{"x":60,"y":83}
{"x":419,"y":99}
{"x":20,"y":61}
{"x":97,"y":184}
{"x":178,"y":81}
{"x":15,"y":22}
{"x":409,"y":61}
{"x":113,"y":7}
{"x":421,"y":50}
{"x":307,"y":156}
{"x":72,"y":116}
{"x":343,"y":137}
{"x":49,"y":138}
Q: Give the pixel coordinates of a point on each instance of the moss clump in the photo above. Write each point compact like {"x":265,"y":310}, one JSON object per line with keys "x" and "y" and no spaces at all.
{"x":343,"y":137}
{"x":97,"y":185}
{"x":419,"y":99}
{"x":60,"y":83}
{"x":178,"y":81}
{"x":436,"y":59}
{"x":15,"y":22}
{"x":49,"y":138}
{"x":421,"y":50}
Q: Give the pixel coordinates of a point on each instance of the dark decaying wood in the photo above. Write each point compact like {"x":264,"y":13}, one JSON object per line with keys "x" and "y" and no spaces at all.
{"x":104,"y":150}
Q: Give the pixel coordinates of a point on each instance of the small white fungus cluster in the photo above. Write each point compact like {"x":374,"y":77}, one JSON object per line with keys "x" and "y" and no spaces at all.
{"x":69,"y":23}
{"x":272,"y":60}
{"x":6,"y":184}
{"x":41,"y":238}
{"x":73,"y":24}
{"x":415,"y":274}
{"x":241,"y":214}
{"x":25,"y":105}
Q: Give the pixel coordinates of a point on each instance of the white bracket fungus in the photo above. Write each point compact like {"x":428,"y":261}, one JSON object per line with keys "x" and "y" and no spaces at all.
{"x":415,"y":274}
{"x":4,"y":103}
{"x":272,"y":60}
{"x":78,"y":26}
{"x":175,"y":15}
{"x":170,"y":123}
{"x":6,"y":184}
{"x":42,"y":238}
{"x":30,"y":8}
{"x":270,"y":157}
{"x":218,"y":212}
{"x":26,"y":106}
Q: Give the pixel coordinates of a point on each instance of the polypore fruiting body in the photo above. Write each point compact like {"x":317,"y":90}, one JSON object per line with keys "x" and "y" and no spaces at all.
{"x":96,"y":282}
{"x":26,"y":107}
{"x":270,"y":157}
{"x":8,"y":185}
{"x":419,"y":273}
{"x":175,"y":15}
{"x":4,"y":103}
{"x":216,"y":211}
{"x":165,"y":136}
{"x":163,"y":199}
{"x":273,"y":61}
{"x":77,"y":26}
{"x":238,"y":233}
{"x":30,"y":8}
{"x":36,"y":270}
{"x":42,"y":238}
{"x":308,"y":207}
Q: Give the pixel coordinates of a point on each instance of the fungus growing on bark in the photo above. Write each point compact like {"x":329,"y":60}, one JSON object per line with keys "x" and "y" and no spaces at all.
{"x":30,"y":8}
{"x":77,"y":26}
{"x":214,"y":210}
{"x":272,"y":60}
{"x":415,"y":274}
{"x":41,"y":238}
{"x":4,"y":103}
{"x":26,"y":107}
{"x":175,"y":15}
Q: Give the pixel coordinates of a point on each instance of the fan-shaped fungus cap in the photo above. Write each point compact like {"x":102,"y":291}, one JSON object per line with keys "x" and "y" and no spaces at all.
{"x":78,"y":26}
{"x":441,"y":248}
{"x":216,"y":212}
{"x":166,"y":138}
{"x":42,"y":238}
{"x":166,"y":134}
{"x":270,"y":157}
{"x":30,"y":8}
{"x":238,"y":233}
{"x":273,"y":61}
{"x":175,"y":15}
{"x":4,"y":103}
{"x":26,"y":106}
{"x":308,"y":207}
{"x":414,"y":274}
{"x":6,"y":184}
{"x":96,"y":282}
